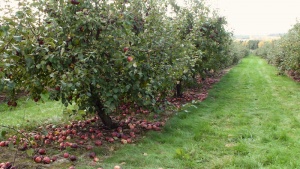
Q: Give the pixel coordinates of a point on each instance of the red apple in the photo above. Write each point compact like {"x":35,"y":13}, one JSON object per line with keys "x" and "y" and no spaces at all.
{"x":9,"y":103}
{"x":74,"y":145}
{"x":89,"y":147}
{"x":114,"y":134}
{"x":66,"y":155}
{"x":14,"y":104}
{"x":129,"y":58}
{"x":73,"y":158}
{"x":37,"y":137}
{"x":2,"y":165}
{"x":124,"y":136}
{"x":68,"y":132}
{"x":57,"y":88}
{"x":129,"y":140}
{"x":98,"y":143}
{"x":42,"y":151}
{"x":119,"y":129}
{"x":60,"y":140}
{"x":41,"y":42}
{"x":54,"y":158}
{"x":68,"y":144}
{"x":92,"y":154}
{"x":38,"y":159}
{"x":73,"y":131}
{"x":125,"y":49}
{"x":47,"y":141}
{"x":8,"y":165}
{"x":99,"y":135}
{"x":2,"y":144}
{"x":75,"y":2}
{"x":92,"y":130}
{"x":46,"y":160}
{"x":111,"y":140}
{"x":36,"y":99}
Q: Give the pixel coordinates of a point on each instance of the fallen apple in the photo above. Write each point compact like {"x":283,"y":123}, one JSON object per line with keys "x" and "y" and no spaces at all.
{"x":38,"y":159}
{"x":73,"y":158}
{"x":92,"y":154}
{"x":46,"y":160}
{"x":42,"y":151}
{"x":66,"y":155}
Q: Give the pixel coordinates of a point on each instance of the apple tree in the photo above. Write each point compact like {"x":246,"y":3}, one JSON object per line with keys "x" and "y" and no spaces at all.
{"x":102,"y":54}
{"x":97,"y":54}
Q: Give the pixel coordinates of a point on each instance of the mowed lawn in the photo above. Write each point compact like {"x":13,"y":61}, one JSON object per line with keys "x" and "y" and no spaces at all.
{"x":251,"y":119}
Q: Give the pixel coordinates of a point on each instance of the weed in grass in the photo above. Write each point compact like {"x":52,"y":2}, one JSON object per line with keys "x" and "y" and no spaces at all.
{"x":241,"y":149}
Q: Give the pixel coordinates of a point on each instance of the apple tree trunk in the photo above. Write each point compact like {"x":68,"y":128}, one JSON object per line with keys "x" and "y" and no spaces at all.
{"x":178,"y":91}
{"x":105,"y":118}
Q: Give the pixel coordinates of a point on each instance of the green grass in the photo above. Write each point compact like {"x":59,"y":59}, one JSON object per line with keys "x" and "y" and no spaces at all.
{"x":249,"y":120}
{"x":30,"y":114}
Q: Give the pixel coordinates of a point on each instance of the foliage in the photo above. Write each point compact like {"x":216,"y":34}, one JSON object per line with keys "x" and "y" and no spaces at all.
{"x":284,"y":53}
{"x":253,"y":44}
{"x":237,"y":52}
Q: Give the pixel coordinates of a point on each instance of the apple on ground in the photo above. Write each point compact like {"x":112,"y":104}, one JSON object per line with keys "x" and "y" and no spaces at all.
{"x":42,"y":151}
{"x":38,"y":159}
{"x":66,"y":155}
{"x":92,"y":154}
{"x":117,"y":167}
{"x":98,"y":143}
{"x":73,"y":158}
{"x":46,"y":160}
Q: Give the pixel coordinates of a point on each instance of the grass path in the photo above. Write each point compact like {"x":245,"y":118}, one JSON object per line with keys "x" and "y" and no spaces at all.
{"x":251,"y":119}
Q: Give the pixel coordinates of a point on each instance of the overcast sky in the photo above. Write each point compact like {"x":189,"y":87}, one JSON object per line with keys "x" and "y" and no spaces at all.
{"x":254,"y":17}
{"x":259,"y":17}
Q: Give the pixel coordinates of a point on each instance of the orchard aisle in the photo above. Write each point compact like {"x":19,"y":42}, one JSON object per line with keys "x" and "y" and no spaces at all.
{"x":249,"y":120}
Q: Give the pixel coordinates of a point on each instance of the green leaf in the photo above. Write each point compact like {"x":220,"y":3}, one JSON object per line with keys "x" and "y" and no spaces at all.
{"x":11,"y":146}
{"x":81,"y":112}
{"x":18,"y":38}
{"x":30,"y":152}
{"x":62,"y":51}
{"x":3,"y":133}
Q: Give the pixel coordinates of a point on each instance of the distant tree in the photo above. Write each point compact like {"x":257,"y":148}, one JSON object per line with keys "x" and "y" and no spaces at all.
{"x":253,"y":44}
